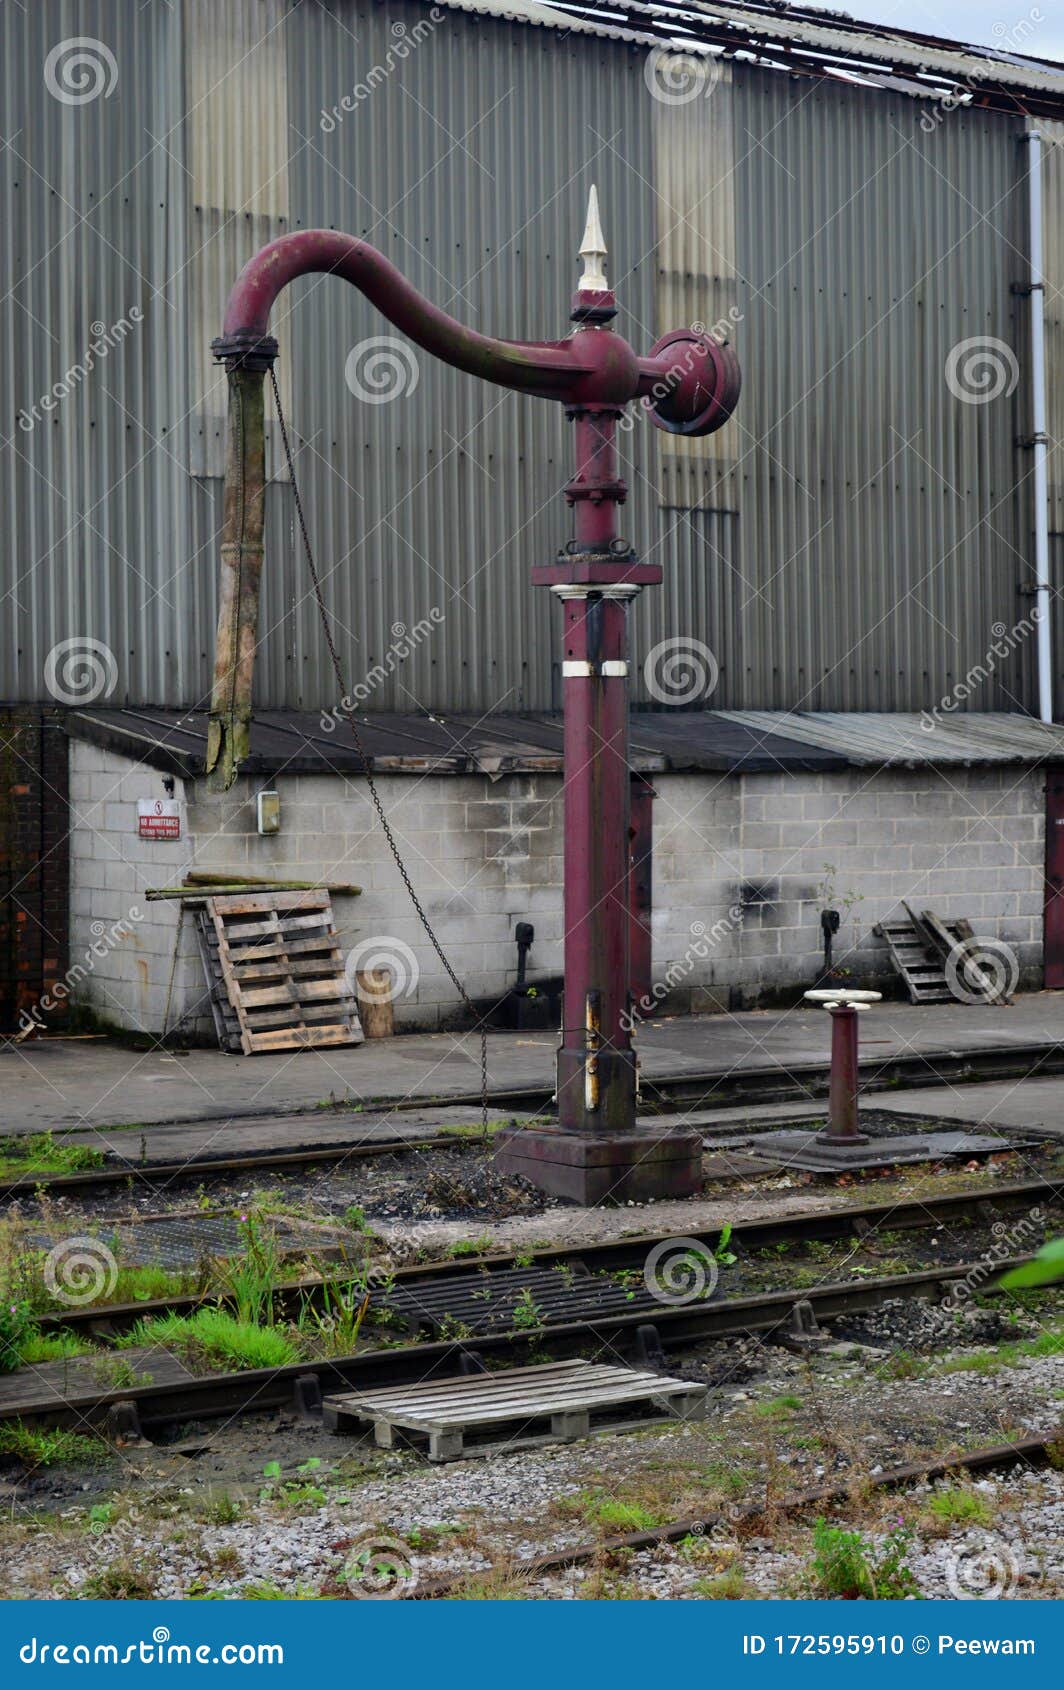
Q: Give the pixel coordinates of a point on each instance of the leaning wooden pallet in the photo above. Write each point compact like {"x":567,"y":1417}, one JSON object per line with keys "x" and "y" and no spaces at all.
{"x":276,"y":972}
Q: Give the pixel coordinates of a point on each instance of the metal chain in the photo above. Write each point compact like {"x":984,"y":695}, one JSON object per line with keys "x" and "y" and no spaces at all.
{"x":348,"y":714}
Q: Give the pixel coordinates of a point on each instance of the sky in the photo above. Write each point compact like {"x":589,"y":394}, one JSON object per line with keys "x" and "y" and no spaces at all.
{"x":1016,"y":25}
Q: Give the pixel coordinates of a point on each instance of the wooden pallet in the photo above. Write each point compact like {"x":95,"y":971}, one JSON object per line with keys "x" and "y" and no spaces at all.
{"x":275,"y":972}
{"x":563,"y":1396}
{"x":919,"y":947}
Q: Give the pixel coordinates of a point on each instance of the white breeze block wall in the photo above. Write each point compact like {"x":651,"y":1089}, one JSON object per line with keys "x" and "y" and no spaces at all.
{"x":742,"y":868}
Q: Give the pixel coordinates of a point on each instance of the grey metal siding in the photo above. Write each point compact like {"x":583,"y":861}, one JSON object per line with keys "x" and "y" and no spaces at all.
{"x":864,"y":535}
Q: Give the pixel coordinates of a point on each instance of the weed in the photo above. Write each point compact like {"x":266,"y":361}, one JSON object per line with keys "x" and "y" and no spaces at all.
{"x":249,"y":1279}
{"x":42,"y":1447}
{"x":16,"y":1326}
{"x":453,"y":1329}
{"x":41,"y":1153}
{"x":116,"y":1373}
{"x":527,"y":1315}
{"x":52,"y":1346}
{"x":471,"y":1246}
{"x":212,"y":1337}
{"x":729,"y":1586}
{"x":122,"y":1581}
{"x":221,"y":1510}
{"x":355,"y":1219}
{"x":778,"y":1408}
{"x":595,"y":1507}
{"x":902,"y":1365}
{"x":845,"y":1564}
{"x":959,"y":1505}
{"x":344,"y":1295}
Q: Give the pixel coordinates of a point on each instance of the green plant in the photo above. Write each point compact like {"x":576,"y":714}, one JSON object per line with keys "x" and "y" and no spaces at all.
{"x":728,"y":1586}
{"x":116,"y":1373}
{"x":41,"y":1447}
{"x":250,"y":1278}
{"x":213,"y":1337}
{"x":957,"y":1505}
{"x":16,"y":1326}
{"x":41,"y":1153}
{"x":527,"y":1315}
{"x":122,"y":1581}
{"x":1047,"y":1268}
{"x":40,"y":1346}
{"x":721,"y":1254}
{"x":221,"y":1510}
{"x":778,"y":1408}
{"x":471,"y":1246}
{"x":355,"y":1218}
{"x":845,"y":1564}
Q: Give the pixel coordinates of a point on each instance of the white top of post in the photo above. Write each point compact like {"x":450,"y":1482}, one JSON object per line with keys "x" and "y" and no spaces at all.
{"x":593,"y":250}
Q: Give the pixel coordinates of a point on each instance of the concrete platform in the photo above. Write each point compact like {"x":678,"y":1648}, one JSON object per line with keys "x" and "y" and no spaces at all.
{"x":71,"y":1083}
{"x":801,"y":1150}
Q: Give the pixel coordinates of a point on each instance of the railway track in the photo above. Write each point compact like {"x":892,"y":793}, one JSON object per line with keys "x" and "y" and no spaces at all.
{"x":62,"y":1395}
{"x":197,"y":1169}
{"x":424,"y":1282}
{"x":1033,"y":1451}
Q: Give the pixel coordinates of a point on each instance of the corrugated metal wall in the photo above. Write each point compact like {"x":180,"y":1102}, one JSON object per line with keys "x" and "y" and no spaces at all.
{"x":849,"y":543}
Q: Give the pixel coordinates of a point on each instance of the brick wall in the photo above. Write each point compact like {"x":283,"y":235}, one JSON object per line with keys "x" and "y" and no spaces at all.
{"x":742,"y":868}
{"x":34,"y":863}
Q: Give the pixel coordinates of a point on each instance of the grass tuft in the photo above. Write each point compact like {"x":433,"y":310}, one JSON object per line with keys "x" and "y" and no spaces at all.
{"x":212,"y":1337}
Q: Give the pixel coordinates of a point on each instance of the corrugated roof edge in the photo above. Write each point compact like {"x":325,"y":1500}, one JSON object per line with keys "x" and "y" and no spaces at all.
{"x":872,"y":739}
{"x":748,"y":30}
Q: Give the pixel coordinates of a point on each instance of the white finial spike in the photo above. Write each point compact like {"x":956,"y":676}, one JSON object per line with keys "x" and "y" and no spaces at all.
{"x":593,"y":250}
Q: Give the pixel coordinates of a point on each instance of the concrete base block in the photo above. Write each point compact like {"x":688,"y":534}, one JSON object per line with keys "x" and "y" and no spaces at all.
{"x":620,"y":1167}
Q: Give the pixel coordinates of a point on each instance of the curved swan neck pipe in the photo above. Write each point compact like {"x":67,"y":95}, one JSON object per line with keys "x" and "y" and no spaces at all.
{"x":550,"y":369}
{"x":690,"y":381}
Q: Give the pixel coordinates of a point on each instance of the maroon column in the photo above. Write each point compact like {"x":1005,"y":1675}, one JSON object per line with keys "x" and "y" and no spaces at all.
{"x":844,"y":1009}
{"x":596,"y":1153}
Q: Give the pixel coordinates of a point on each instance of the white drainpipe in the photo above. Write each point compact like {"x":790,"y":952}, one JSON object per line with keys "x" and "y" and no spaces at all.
{"x":1038,"y":430}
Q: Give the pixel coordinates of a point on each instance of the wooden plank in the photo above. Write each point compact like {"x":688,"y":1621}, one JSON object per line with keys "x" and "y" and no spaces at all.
{"x":271,"y":902}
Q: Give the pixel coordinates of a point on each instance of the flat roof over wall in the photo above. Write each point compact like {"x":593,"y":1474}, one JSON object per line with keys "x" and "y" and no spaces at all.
{"x":668,"y":741}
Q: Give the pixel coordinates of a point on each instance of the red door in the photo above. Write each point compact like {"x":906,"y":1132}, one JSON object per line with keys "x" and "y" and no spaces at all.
{"x":1054,"y":910}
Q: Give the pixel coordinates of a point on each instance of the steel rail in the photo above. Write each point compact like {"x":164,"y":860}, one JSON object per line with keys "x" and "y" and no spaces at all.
{"x":1033,"y":1450}
{"x":154,"y":1173}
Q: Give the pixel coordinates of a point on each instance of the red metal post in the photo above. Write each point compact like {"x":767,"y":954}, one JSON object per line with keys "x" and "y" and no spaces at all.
{"x":641,"y":894}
